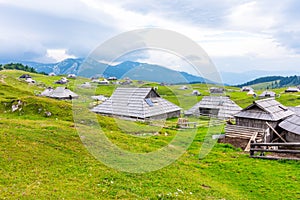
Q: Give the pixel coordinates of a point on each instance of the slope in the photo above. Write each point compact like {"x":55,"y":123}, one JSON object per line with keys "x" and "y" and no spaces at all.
{"x":43,"y":157}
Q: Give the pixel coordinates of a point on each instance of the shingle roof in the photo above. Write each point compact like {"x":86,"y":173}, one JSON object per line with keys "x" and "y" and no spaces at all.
{"x":267,"y":94}
{"x":265,"y":109}
{"x":291,"y":124}
{"x":296,"y":110}
{"x":62,"y":93}
{"x":227,"y":108}
{"x":47,"y":92}
{"x":135,"y":102}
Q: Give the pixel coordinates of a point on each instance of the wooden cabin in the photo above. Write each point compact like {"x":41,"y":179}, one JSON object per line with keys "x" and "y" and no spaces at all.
{"x":261,"y":111}
{"x":267,"y":94}
{"x":292,"y":89}
{"x":137,"y":104}
{"x":251,"y":122}
{"x":216,"y":90}
{"x":215,"y":106}
{"x":247,"y":89}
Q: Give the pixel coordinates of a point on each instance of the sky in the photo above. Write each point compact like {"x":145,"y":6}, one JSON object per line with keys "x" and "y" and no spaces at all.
{"x":237,"y":35}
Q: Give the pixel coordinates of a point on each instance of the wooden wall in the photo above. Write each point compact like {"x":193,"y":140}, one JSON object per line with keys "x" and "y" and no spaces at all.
{"x":254,"y":123}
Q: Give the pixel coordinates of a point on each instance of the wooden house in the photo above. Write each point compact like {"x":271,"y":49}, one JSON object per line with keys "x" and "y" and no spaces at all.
{"x":247,"y":89}
{"x":216,"y":90}
{"x":62,"y":93}
{"x":290,"y":128}
{"x":252,"y":123}
{"x":196,"y":93}
{"x":137,"y":104}
{"x":25,"y":76}
{"x":184,"y":87}
{"x":292,"y":89}
{"x":215,"y":106}
{"x":71,"y":76}
{"x":267,"y":94}
{"x":261,"y":111}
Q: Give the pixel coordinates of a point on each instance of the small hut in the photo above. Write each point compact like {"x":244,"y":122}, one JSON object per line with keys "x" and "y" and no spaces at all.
{"x":30,"y":80}
{"x":52,"y":74}
{"x":216,"y":90}
{"x":71,"y":76}
{"x":86,"y":85}
{"x":291,"y":128}
{"x":267,"y":94}
{"x":137,"y":104}
{"x":63,"y":80}
{"x":216,"y":106}
{"x":251,"y":93}
{"x":63,"y":93}
{"x":99,"y":98}
{"x":104,"y":82}
{"x":292,"y":89}
{"x":112,"y":78}
{"x":184,"y":87}
{"x":247,"y":89}
{"x":261,"y":111}
{"x":196,"y":93}
{"x":25,"y":76}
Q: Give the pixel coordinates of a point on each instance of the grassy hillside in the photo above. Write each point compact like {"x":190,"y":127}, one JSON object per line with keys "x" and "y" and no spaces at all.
{"x":43,"y":157}
{"x":273,"y":82}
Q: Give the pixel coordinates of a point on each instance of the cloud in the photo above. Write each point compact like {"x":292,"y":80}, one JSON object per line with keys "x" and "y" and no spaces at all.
{"x":232,"y":30}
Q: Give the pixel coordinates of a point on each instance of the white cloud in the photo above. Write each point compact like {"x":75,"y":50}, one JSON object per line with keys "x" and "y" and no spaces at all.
{"x":225,"y":29}
{"x":58,"y":54}
{"x":255,"y":16}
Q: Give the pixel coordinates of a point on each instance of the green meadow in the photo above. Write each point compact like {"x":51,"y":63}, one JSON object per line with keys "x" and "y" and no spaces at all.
{"x":44,"y":158}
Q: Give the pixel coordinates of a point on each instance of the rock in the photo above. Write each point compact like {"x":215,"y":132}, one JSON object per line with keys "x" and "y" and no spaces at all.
{"x":48,"y":114}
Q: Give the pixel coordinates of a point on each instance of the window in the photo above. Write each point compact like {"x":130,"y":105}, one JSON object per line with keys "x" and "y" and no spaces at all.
{"x":149,"y":102}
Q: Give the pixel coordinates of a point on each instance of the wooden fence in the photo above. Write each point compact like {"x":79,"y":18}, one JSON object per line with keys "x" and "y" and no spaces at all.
{"x":286,"y":148}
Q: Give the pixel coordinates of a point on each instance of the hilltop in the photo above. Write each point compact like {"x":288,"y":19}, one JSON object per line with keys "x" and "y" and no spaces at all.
{"x":43,"y":157}
{"x":273,"y":82}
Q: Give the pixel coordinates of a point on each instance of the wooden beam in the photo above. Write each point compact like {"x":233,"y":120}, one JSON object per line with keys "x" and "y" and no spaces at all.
{"x":276,"y":132}
{"x":274,"y":158}
{"x":290,"y":144}
{"x":251,"y":139}
{"x":278,"y":138}
{"x":276,"y":151}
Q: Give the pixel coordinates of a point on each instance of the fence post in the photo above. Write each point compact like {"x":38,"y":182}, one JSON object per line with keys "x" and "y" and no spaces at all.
{"x":251,"y":147}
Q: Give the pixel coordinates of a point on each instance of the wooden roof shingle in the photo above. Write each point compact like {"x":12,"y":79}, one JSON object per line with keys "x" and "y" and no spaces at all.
{"x":291,"y":124}
{"x":227,"y":108}
{"x":265,"y":109}
{"x":135,"y":102}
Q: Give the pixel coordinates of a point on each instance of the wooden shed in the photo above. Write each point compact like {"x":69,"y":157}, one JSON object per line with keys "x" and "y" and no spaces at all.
{"x":292,"y":89}
{"x":216,"y":90}
{"x":251,"y":123}
{"x":215,"y":106}
{"x":247,"y":89}
{"x":267,"y":94}
{"x":137,"y":104}
{"x":261,"y":111}
{"x":291,"y":128}
{"x":62,"y":93}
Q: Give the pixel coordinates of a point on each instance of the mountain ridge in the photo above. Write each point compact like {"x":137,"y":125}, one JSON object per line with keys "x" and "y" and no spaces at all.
{"x":133,"y":70}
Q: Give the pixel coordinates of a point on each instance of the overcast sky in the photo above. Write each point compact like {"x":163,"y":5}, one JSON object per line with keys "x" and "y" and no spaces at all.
{"x":238,"y":35}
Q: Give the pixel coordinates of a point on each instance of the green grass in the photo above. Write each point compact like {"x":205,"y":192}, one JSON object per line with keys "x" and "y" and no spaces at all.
{"x":43,"y":157}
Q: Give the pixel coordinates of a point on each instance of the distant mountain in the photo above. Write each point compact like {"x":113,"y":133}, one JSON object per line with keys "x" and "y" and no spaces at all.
{"x":156,"y":73}
{"x":274,"y":81}
{"x":133,"y":70}
{"x":232,"y":78}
